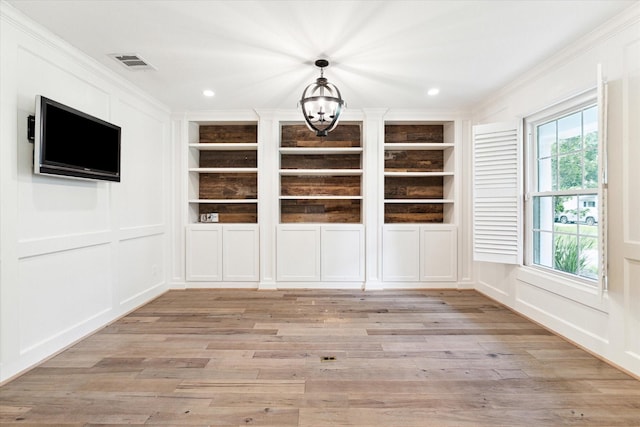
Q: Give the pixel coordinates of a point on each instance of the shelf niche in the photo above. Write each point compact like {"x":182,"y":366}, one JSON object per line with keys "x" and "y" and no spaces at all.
{"x":419,"y":173}
{"x":305,"y":210}
{"x":233,"y":213}
{"x":321,"y":178}
{"x":224,"y":165}
{"x":413,"y":161}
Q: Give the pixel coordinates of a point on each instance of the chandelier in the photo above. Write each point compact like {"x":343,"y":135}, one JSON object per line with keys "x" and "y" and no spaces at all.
{"x":321,"y":103}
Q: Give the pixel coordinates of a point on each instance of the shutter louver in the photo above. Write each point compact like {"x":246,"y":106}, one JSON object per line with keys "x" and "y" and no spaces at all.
{"x":496,"y":194}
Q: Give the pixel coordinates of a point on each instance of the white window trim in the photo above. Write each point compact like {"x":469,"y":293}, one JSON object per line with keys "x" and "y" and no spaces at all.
{"x":563,"y":286}
{"x":588,"y":292}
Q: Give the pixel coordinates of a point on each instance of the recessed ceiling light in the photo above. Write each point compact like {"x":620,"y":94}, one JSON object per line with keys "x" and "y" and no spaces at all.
{"x":208,"y":92}
{"x":433,"y":91}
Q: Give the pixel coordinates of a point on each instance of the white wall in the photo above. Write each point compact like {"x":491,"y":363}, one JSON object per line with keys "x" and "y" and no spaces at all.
{"x":608,"y":325}
{"x":74,"y":255}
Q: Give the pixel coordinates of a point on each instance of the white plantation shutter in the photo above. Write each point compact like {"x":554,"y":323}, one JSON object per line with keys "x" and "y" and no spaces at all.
{"x":497,"y":201}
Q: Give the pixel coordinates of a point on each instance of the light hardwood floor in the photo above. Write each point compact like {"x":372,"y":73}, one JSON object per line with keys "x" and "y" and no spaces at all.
{"x":323,"y":358}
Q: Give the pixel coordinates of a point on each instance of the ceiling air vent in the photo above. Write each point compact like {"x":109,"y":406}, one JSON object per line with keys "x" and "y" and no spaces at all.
{"x":132,"y":61}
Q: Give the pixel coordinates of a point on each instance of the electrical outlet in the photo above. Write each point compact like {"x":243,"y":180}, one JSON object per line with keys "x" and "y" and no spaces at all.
{"x":209,"y":217}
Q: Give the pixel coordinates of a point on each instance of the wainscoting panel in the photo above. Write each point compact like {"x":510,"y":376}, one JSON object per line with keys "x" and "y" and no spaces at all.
{"x":61,"y":291}
{"x":140,"y":268}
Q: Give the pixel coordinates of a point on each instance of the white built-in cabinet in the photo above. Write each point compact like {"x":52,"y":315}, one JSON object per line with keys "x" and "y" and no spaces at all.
{"x":222,"y":165}
{"x":390,"y":181}
{"x":320,"y":253}
{"x":419,"y":253}
{"x":222,"y":252}
{"x":223,"y":172}
{"x":419,"y":235}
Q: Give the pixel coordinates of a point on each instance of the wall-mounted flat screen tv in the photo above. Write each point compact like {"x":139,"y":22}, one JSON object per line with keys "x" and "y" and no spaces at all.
{"x":74,"y":144}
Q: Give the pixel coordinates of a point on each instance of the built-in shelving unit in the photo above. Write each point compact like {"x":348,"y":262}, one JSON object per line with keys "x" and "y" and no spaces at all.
{"x":223,"y":181}
{"x":320,"y":178}
{"x":419,"y":172}
{"x":223,"y":172}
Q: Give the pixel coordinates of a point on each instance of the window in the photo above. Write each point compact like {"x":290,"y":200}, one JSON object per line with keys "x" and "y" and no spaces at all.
{"x":563,"y":179}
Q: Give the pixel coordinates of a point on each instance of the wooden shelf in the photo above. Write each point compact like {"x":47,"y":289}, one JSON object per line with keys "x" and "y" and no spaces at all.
{"x":223,"y":146}
{"x":320,"y":150}
{"x":426,"y":146}
{"x":330,"y":172}
{"x":418,"y":201}
{"x":224,"y":170}
{"x":320,"y":197}
{"x":222,"y":201}
{"x":417,"y":174}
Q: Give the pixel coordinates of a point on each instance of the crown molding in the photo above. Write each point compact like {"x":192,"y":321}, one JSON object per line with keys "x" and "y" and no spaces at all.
{"x":13,"y":17}
{"x":617,"y":24}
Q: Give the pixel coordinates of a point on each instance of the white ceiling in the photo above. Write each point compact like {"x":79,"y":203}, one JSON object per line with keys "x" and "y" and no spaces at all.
{"x":260,"y":54}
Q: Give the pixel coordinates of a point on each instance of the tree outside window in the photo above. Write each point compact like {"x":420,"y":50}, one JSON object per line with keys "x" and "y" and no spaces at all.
{"x":565,"y":197}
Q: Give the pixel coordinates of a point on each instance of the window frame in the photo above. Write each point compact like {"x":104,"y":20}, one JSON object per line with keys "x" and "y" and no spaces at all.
{"x":571,"y":105}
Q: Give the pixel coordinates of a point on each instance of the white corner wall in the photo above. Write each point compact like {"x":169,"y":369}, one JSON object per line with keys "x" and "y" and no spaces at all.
{"x":74,"y":255}
{"x":610,"y":325}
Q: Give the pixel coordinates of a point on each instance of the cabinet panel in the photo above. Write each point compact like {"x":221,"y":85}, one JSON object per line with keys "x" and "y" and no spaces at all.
{"x":222,"y":252}
{"x":342,"y":257}
{"x":204,"y":253}
{"x":401,"y":253}
{"x":426,"y":253}
{"x":438,"y":253}
{"x":298,"y":253}
{"x":240,"y":253}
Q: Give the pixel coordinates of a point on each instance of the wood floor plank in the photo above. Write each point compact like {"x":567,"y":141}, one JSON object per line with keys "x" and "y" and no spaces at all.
{"x":322,"y":358}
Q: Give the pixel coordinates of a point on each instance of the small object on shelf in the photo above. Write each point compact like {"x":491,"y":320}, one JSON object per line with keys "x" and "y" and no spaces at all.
{"x":209,"y":217}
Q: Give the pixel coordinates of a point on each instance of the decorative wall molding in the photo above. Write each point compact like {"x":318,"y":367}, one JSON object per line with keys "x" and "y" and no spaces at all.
{"x":12,"y":16}
{"x":612,"y":27}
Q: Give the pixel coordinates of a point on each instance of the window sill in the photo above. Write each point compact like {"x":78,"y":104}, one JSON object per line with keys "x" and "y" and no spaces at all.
{"x":570,"y":289}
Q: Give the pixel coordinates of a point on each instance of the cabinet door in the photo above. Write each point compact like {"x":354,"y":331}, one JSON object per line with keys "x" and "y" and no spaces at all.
{"x":298,"y":253}
{"x":204,"y":253}
{"x":342,"y":258}
{"x":240,"y":248}
{"x":401,"y":253}
{"x":438,"y":254}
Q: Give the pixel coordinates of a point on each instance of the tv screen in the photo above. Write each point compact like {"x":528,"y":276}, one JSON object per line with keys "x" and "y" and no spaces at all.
{"x":74,"y":144}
